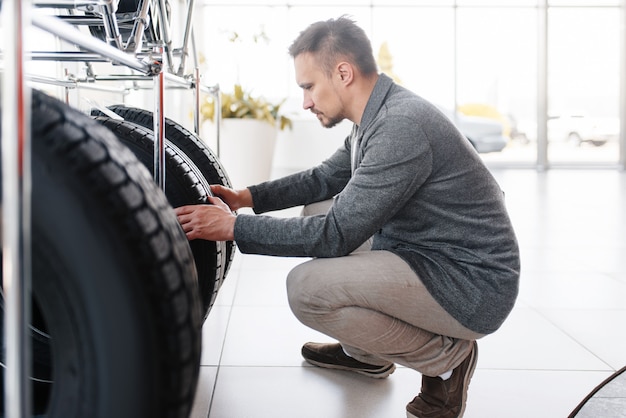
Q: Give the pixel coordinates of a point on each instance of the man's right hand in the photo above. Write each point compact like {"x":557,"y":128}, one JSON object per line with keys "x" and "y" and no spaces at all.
{"x":235,"y":199}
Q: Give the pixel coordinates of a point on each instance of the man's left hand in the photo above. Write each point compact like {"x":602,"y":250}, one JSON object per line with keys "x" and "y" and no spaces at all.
{"x":211,"y":222}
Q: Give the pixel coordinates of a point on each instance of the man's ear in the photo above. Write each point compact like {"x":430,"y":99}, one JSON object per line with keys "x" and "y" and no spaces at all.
{"x":345,"y":72}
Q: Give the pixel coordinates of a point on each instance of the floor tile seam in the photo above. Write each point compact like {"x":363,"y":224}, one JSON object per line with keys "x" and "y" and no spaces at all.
{"x":215,"y":382}
{"x":618,"y":277}
{"x":262,"y":366}
{"x":274,"y":272}
{"x":221,"y":352}
{"x":525,"y":272}
{"x":227,"y":329}
{"x":571,"y":337}
{"x":570,"y":309}
{"x":232,"y":276}
{"x":609,"y":370}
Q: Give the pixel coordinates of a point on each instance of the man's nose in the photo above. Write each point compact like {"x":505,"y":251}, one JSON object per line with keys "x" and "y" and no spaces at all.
{"x":307,"y":103}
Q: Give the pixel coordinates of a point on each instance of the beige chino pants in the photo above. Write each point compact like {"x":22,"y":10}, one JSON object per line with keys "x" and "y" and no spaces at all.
{"x":377,"y":307}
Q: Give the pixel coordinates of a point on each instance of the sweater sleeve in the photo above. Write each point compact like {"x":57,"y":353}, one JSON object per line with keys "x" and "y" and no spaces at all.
{"x":395,"y":159}
{"x":313,"y":185}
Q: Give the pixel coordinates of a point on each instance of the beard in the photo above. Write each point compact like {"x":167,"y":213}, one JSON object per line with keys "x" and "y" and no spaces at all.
{"x":332,"y":122}
{"x":328,"y":122}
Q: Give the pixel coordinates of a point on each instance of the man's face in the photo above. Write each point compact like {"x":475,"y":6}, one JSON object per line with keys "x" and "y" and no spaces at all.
{"x":321,"y":94}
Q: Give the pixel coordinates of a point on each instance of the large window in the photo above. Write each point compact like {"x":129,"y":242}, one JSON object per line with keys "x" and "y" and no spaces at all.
{"x":496,"y":74}
{"x":420,"y":43}
{"x":583,"y":85}
{"x":478,"y":56}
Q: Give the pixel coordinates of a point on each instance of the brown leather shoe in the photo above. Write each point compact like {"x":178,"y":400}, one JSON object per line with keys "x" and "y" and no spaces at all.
{"x":444,"y":398}
{"x":332,"y":356}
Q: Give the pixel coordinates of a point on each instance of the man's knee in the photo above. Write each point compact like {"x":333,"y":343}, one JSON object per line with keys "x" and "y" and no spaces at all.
{"x":305,"y":291}
{"x":296,"y":285}
{"x":317,"y":208}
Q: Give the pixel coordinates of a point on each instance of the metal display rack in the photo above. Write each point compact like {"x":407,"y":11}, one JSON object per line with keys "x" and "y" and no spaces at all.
{"x":16,"y":181}
{"x":153,"y":60}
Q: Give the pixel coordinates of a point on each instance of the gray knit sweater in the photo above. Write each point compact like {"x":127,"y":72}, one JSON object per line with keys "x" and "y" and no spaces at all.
{"x":416,"y":185}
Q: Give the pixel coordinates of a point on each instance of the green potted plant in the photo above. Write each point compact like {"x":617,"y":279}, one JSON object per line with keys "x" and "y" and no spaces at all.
{"x":241,"y":104}
{"x":247,"y":134}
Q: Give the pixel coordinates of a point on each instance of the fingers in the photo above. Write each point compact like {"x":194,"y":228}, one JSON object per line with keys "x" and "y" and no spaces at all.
{"x":184,"y":215}
{"x":216,"y":201}
{"x":226,"y":194}
{"x":188,"y":217}
{"x":183,"y":210}
{"x":218,"y":189}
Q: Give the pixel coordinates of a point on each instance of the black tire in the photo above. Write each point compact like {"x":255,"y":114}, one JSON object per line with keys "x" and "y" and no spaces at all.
{"x":112,"y":277}
{"x":41,"y":365}
{"x":201,"y":155}
{"x":184,"y":185}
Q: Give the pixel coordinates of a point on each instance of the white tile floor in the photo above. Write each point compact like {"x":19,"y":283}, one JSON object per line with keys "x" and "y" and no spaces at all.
{"x":566,"y":334}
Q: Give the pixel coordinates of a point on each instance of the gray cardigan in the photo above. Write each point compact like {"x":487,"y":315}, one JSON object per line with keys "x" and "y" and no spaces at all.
{"x":419,"y":188}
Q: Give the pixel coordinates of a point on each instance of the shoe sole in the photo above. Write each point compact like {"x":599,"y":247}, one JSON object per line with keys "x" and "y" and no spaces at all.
{"x":466,"y":382}
{"x":375,"y":374}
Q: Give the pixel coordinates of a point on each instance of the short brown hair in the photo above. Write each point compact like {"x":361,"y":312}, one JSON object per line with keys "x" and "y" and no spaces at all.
{"x":334,"y":39}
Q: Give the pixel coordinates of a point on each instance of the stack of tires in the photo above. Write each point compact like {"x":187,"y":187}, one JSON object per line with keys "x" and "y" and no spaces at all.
{"x":119,"y":295}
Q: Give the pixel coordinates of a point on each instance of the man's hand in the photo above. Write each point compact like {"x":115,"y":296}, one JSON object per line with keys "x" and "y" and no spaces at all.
{"x":213,"y":222}
{"x":235,"y":199}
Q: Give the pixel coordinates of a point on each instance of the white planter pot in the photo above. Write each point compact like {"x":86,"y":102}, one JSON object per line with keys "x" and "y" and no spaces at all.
{"x":307,"y":144}
{"x":246,"y":149}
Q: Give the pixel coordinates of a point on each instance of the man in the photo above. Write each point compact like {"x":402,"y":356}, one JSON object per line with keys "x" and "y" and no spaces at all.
{"x":442,"y":267}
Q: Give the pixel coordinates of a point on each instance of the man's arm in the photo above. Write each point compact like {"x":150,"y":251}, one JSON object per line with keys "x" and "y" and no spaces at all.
{"x":318,"y":183}
{"x":393,"y":168}
{"x":216,"y":222}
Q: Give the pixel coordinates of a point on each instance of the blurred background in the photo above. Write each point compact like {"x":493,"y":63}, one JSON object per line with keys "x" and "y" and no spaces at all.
{"x":509,"y":61}
{"x":532,"y":83}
